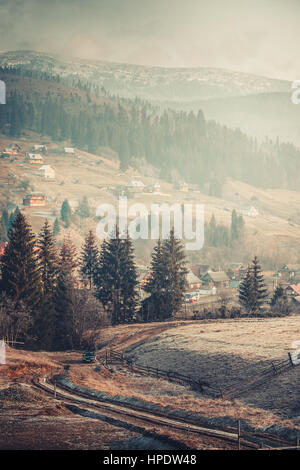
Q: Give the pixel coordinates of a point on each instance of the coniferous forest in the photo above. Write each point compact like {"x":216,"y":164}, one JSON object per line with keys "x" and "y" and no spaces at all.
{"x":202,"y":152}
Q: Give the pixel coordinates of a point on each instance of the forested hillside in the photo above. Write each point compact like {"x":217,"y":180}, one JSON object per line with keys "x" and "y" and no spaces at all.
{"x":182,"y":145}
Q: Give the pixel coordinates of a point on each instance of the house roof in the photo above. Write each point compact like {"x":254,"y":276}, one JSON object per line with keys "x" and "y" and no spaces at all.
{"x":235,"y":265}
{"x":192,"y":278}
{"x":218,"y":276}
{"x":135,"y":184}
{"x":296,"y":288}
{"x":293,"y":267}
{"x":35,"y":156}
{"x":46,"y":167}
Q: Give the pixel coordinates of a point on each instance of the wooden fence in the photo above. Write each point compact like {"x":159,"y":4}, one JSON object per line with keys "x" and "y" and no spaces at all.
{"x":260,"y":379}
{"x":200,"y":385}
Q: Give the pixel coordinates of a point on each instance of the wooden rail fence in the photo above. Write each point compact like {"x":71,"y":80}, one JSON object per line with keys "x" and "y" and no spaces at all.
{"x":200,"y":385}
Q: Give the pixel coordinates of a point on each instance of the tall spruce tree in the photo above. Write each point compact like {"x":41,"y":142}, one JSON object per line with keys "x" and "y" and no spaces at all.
{"x":56,"y":227}
{"x":89,"y":258}
{"x":45,"y":325}
{"x":66,"y":213}
{"x":260,"y":291}
{"x":21,"y":278}
{"x":48,"y":259}
{"x":246,"y":292}
{"x":116,"y":279}
{"x":63,"y":308}
{"x":167,"y":282}
{"x":68,"y":257}
{"x":252,"y":290}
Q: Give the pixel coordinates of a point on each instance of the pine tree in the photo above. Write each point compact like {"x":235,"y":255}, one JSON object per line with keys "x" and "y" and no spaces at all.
{"x":45,"y":323}
{"x":252,"y":291}
{"x":3,"y":231}
{"x":280,"y":302}
{"x":20,"y":271}
{"x":89,"y":258}
{"x":5,"y":218}
{"x":83,"y":209}
{"x":68,"y":257}
{"x":116,"y":279}
{"x":12,"y":218}
{"x":167,"y":282}
{"x":66,"y":213}
{"x":260,"y":291}
{"x":63,"y":310}
{"x":56,"y":227}
{"x":48,"y":259}
{"x":246,"y":292}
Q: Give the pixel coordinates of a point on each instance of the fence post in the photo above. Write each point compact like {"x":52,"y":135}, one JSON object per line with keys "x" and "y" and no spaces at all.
{"x":291,"y":360}
{"x":239,"y":433}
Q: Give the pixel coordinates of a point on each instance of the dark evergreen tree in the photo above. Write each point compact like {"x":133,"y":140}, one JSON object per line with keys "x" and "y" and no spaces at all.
{"x":280,"y":302}
{"x":66,"y":213}
{"x":167,"y":282}
{"x":68,"y":260}
{"x":89,"y":259}
{"x":48,"y":259}
{"x":260,"y":291}
{"x":12,"y":218}
{"x":3,"y":231}
{"x":56,"y":227}
{"x":19,"y":265}
{"x":252,"y":291}
{"x":116,"y":279}
{"x":246,"y":293}
{"x":63,"y":309}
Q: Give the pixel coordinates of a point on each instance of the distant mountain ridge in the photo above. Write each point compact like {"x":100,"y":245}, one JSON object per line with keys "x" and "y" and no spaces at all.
{"x":151,"y":83}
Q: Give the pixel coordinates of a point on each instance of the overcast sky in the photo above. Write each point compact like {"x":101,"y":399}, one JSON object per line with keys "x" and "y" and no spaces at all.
{"x":257,"y":36}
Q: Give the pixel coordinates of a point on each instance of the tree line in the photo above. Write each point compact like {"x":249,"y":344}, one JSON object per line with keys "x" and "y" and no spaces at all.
{"x":48,"y":306}
{"x":201,"y":152}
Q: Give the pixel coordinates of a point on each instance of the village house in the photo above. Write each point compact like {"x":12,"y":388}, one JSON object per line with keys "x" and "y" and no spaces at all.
{"x":47,"y":172}
{"x":193,"y":282}
{"x":293,"y":290}
{"x":200,"y":269}
{"x":34,"y":158}
{"x":69,"y":150}
{"x":34,"y":199}
{"x":11,"y":151}
{"x":39,"y":148}
{"x":249,"y":211}
{"x":182,"y":187}
{"x":153,"y":188}
{"x":218,"y":279}
{"x":236,"y":271}
{"x":134,"y":187}
{"x":289,"y":270}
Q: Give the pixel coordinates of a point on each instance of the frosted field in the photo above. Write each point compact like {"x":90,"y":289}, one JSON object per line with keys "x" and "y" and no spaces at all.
{"x":230,"y":352}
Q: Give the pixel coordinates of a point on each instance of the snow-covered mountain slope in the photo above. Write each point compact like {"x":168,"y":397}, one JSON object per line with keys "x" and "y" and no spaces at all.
{"x":153,"y":83}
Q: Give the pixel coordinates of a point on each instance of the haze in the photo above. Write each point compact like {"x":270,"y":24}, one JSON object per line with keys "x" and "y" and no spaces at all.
{"x":254,"y":36}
